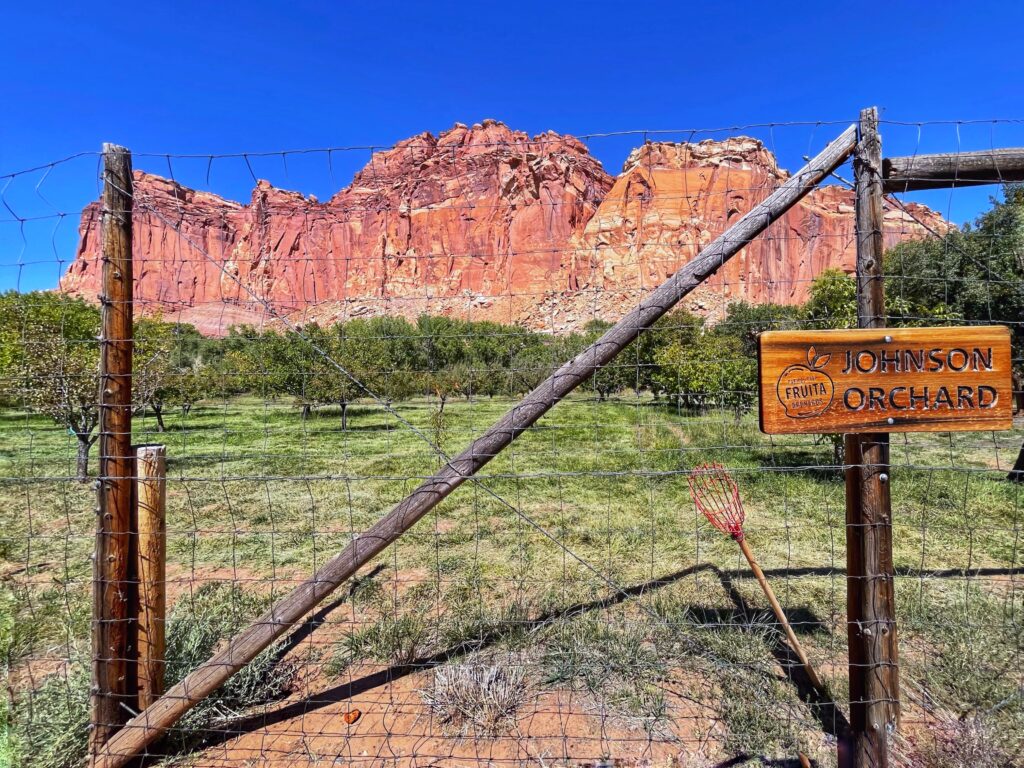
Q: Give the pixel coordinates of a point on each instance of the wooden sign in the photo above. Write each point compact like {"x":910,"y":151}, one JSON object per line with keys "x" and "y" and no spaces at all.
{"x":885,"y":380}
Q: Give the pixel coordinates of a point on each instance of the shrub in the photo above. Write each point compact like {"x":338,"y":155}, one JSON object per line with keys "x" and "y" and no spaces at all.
{"x":391,"y":640}
{"x":196,"y":627}
{"x":974,"y":742}
{"x":51,"y":721}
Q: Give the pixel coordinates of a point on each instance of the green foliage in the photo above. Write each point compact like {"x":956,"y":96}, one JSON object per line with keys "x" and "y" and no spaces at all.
{"x":50,"y":346}
{"x":51,"y":729}
{"x":530,"y":365}
{"x":48,"y":343}
{"x":169,"y":370}
{"x":975,"y":640}
{"x":382,"y":351}
{"x":394,"y":639}
{"x":975,"y":275}
{"x":621,"y":663}
{"x":637,"y":361}
{"x":401,"y":633}
{"x":752,"y":728}
{"x":710,"y":370}
{"x":833,"y":301}
{"x":615,"y":376}
{"x":296,"y":364}
{"x":52,"y":719}
{"x":746,"y":321}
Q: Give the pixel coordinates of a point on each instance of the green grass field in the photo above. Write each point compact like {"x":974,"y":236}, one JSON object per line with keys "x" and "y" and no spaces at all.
{"x":613,"y":590}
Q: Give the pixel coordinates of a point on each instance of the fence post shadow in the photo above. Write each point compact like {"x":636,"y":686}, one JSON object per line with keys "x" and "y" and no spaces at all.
{"x":825,"y":711}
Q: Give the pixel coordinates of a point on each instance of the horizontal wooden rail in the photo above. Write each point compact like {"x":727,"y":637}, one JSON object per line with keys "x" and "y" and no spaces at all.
{"x":966,"y":169}
{"x":244,"y":647}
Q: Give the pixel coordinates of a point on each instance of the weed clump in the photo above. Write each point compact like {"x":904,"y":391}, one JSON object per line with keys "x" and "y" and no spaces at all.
{"x":478,"y":696}
{"x":974,"y":742}
{"x":196,"y":628}
{"x":391,"y":640}
{"x":618,"y":663}
{"x":51,"y":721}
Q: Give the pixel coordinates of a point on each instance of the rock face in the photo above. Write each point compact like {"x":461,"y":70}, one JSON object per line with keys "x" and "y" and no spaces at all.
{"x":481,"y":223}
{"x":673,"y":199}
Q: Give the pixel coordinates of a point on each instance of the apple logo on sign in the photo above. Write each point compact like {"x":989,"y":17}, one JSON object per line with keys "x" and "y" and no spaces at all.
{"x":806,"y":390}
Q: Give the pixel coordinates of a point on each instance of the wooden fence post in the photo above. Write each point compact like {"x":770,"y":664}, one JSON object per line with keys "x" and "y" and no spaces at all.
{"x":871,"y":615}
{"x":150,"y":505}
{"x":113,"y":683}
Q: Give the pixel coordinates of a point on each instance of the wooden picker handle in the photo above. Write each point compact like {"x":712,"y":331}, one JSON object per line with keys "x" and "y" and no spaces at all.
{"x":781,"y":616}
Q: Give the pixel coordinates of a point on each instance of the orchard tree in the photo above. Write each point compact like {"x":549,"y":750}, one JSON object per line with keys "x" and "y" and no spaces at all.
{"x":530,"y":365}
{"x":49,"y":344}
{"x":383,"y":351}
{"x":332,"y":367}
{"x":748,"y":321}
{"x":677,"y":327}
{"x":168,"y":371}
{"x":832,"y":303}
{"x":975,"y":275}
{"x":261,"y":363}
{"x":443,"y":351}
{"x":710,"y":369}
{"x":11,"y":327}
{"x":490,"y":350}
{"x":619,"y":373}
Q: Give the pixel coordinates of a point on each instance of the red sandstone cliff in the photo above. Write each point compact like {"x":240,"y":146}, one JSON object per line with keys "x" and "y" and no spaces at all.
{"x":484,"y":223}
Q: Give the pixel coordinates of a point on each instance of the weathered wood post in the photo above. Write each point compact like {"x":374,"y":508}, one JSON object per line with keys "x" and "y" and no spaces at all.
{"x":871,"y":615}
{"x":113,"y":679}
{"x":150,"y":506}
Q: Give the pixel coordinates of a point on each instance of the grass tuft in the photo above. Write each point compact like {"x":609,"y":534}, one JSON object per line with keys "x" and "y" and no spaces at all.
{"x":477,"y":696}
{"x":974,"y":742}
{"x":51,"y":721}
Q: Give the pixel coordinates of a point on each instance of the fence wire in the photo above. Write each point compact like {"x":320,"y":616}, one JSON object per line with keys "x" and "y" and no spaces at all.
{"x":309,"y":358}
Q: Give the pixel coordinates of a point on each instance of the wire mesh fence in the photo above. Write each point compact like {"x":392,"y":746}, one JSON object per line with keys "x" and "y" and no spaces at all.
{"x":308,"y":359}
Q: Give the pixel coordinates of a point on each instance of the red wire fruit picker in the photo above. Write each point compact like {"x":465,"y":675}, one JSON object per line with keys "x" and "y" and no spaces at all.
{"x":716,"y":495}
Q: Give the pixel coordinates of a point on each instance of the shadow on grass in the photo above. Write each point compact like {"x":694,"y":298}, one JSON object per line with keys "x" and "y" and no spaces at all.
{"x":806,"y":463}
{"x":824,"y":709}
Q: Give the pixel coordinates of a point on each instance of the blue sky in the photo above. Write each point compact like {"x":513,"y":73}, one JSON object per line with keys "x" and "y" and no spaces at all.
{"x":188,"y":77}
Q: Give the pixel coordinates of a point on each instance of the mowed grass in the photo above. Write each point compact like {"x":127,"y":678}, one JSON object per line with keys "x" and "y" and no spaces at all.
{"x":578,"y":553}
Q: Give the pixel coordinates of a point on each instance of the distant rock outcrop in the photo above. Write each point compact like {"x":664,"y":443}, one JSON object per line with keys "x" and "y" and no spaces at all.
{"x":482,"y":223}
